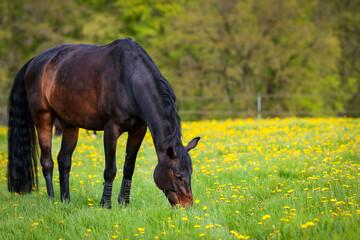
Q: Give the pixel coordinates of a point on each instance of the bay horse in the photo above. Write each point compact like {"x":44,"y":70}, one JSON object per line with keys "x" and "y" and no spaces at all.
{"x":116,"y":88}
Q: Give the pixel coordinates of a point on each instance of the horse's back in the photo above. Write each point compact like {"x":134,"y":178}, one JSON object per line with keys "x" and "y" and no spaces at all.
{"x":80,"y":83}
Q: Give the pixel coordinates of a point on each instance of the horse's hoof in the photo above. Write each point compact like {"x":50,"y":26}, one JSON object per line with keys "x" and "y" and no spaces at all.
{"x":105,"y":204}
{"x":123,"y":202}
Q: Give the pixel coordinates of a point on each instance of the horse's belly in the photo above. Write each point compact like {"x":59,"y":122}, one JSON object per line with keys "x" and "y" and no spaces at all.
{"x":77,"y":110}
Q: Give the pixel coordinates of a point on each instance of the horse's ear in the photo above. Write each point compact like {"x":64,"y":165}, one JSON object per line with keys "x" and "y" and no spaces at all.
{"x":192,"y":144}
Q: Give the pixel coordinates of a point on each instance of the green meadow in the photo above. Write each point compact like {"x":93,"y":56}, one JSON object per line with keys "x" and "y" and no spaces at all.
{"x":253,"y":179}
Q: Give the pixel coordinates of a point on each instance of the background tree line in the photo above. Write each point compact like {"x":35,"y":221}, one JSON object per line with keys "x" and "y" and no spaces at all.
{"x":219,"y":52}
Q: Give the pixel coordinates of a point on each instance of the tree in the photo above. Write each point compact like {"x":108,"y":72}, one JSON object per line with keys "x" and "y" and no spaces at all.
{"x":345,"y":16}
{"x":245,"y":47}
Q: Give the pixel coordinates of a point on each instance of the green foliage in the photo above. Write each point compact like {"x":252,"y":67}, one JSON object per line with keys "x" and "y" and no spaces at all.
{"x":209,"y":48}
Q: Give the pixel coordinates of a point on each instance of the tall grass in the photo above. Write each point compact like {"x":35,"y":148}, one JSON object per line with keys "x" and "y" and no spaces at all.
{"x":267,"y":179}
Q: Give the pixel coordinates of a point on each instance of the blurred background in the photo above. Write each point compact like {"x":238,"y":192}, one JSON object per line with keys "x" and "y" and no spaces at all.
{"x":224,"y":58}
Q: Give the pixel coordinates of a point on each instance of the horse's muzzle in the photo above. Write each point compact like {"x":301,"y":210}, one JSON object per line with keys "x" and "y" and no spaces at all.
{"x":180,"y":199}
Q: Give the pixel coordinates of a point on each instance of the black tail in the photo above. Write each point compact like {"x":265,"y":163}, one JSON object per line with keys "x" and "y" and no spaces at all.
{"x":22,"y":143}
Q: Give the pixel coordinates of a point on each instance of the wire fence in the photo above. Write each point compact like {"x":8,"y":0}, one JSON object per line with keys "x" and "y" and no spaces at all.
{"x":257,"y":106}
{"x":246,"y":106}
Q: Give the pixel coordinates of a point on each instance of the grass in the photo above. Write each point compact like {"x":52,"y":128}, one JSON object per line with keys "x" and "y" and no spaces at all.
{"x":267,"y":179}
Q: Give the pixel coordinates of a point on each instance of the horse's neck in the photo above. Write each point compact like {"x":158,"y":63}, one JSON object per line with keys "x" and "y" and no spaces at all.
{"x":152,"y":111}
{"x":160,"y":129}
{"x":148,"y":93}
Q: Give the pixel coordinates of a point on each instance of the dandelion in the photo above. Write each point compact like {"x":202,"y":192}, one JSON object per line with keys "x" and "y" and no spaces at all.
{"x":310,"y":224}
{"x":265,"y":217}
{"x":234,"y":233}
{"x":34,"y":224}
{"x":202,"y":234}
{"x":306,"y":225}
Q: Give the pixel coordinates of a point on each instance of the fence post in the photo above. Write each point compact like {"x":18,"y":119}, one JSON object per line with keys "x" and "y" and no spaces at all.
{"x":258,"y":105}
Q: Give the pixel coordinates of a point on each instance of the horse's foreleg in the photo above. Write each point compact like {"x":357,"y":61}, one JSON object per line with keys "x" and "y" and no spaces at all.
{"x":68,"y":144}
{"x":133,"y":144}
{"x":44,"y":123}
{"x":111,"y":134}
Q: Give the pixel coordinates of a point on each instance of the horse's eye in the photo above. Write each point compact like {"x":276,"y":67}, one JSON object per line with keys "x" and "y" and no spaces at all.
{"x":178,"y":177}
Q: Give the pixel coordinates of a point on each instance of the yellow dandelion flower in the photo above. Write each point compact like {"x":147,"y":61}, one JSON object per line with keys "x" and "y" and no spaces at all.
{"x":310,"y":224}
{"x":234,"y":233}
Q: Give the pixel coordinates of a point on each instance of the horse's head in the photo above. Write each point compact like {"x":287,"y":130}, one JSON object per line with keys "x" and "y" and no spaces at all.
{"x":173,"y":174}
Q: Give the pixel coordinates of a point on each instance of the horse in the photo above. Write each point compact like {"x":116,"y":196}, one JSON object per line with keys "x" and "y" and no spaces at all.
{"x":114,"y":88}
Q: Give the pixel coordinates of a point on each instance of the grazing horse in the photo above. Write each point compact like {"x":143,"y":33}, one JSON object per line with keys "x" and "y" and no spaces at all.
{"x":115,"y":88}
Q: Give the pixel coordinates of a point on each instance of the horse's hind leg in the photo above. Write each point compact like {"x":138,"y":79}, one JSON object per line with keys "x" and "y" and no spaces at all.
{"x":68,"y":144}
{"x":111,"y":134}
{"x":133,"y":144}
{"x":44,"y":123}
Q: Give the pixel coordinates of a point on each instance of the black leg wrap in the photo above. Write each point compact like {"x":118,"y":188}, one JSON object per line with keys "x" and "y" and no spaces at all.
{"x":106,"y":197}
{"x":124,"y":196}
